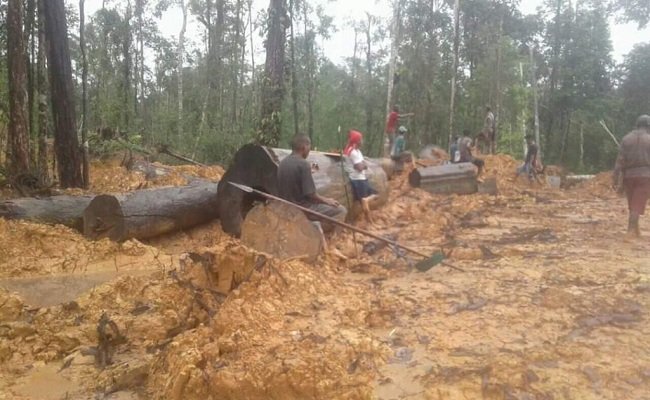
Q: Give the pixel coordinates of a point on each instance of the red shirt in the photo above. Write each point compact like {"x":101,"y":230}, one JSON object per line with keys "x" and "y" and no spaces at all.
{"x":391,"y":124}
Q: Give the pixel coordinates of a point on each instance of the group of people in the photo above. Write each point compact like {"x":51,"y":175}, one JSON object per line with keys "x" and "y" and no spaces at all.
{"x":296,"y":184}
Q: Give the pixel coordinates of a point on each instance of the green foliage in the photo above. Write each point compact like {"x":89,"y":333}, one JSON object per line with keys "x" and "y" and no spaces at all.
{"x":578,"y":82}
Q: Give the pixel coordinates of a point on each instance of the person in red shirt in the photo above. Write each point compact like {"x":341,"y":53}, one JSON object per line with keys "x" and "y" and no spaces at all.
{"x":392,"y":122}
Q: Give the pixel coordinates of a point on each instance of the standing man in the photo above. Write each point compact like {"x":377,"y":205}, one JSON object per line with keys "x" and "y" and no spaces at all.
{"x":296,"y":184}
{"x":391,"y":125}
{"x":489,"y":130}
{"x":530,"y":164}
{"x":632,"y":172}
{"x":465,"y":145}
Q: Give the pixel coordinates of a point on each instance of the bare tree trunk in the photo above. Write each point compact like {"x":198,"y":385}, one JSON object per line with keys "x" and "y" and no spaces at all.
{"x":294,"y":79}
{"x":236,"y":67}
{"x":533,"y":79}
{"x":66,"y":144}
{"x":497,"y":117}
{"x":582,"y":145}
{"x":18,"y":122}
{"x":250,"y":27}
{"x":140,"y":11}
{"x":369,"y":73}
{"x":391,"y":67}
{"x":84,"y":95}
{"x":30,"y":57}
{"x":181,"y":51}
{"x":126,"y":54}
{"x":454,"y":69}
{"x":270,"y":127}
{"x":309,"y":66}
{"x":42,"y":106}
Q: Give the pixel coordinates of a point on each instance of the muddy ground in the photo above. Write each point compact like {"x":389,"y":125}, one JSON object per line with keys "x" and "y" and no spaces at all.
{"x":544,"y":301}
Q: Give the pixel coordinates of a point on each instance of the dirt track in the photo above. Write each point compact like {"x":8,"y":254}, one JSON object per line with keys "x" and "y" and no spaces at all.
{"x":551,"y":304}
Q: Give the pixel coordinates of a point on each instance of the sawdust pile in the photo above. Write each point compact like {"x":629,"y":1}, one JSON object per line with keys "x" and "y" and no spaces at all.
{"x":288,"y":330}
{"x":31,"y":249}
{"x":109,"y":176}
{"x":600,"y":185}
{"x":291,"y":331}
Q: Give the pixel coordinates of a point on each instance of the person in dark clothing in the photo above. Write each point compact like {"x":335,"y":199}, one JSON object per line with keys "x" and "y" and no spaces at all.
{"x":632,"y":172}
{"x":530,"y":164}
{"x":465,"y":146}
{"x":296,"y":184}
{"x":454,"y":154}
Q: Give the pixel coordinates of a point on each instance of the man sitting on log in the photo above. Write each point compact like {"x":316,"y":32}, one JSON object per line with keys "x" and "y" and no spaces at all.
{"x":465,"y":146}
{"x":296,"y":184}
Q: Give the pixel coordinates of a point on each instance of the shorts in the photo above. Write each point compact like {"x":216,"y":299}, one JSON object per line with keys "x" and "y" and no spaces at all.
{"x":637,"y":191}
{"x":361,"y":189}
{"x":338,"y":213}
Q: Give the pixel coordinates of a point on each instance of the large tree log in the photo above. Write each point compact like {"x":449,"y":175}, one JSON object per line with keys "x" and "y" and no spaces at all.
{"x":449,"y":178}
{"x":147,"y":213}
{"x":65,"y":210}
{"x":256,"y":166}
{"x":276,"y":228}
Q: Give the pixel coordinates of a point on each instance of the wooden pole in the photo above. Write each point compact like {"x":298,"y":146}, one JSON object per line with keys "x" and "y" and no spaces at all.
{"x":533,"y":78}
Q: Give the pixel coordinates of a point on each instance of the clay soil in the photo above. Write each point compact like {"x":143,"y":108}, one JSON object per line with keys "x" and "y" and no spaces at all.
{"x":545,"y":300}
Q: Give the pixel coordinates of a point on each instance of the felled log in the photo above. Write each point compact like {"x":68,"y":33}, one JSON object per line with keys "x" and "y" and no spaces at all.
{"x":256,"y":166}
{"x":147,"y":213}
{"x":448,"y":178}
{"x":64,"y":210}
{"x":276,"y":228}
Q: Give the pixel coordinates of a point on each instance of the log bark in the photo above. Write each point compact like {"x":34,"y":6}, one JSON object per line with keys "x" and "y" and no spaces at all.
{"x":276,"y":228}
{"x":148,"y":213}
{"x":449,"y":178}
{"x":64,"y":210}
{"x":256,"y":166}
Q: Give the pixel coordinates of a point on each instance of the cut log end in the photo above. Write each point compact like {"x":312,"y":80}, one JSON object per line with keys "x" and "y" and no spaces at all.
{"x":103,"y":218}
{"x":280,"y":230}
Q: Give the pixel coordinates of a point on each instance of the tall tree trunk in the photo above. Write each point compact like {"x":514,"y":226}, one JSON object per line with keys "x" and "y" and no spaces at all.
{"x":139,"y":5}
{"x":454,"y":69}
{"x":180,"y":55}
{"x":294,"y":79}
{"x":497,"y":116}
{"x":533,"y":80}
{"x":84,"y":95}
{"x":270,"y":127}
{"x":66,"y":144}
{"x":311,"y":73}
{"x":236,"y":67}
{"x":126,"y":80}
{"x":42,"y":106}
{"x":392,"y":66}
{"x":369,"y":74}
{"x":218,"y":71}
{"x":30,"y":57}
{"x":18,"y":122}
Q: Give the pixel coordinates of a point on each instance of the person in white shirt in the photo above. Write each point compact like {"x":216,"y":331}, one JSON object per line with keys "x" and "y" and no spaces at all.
{"x":361,"y":188}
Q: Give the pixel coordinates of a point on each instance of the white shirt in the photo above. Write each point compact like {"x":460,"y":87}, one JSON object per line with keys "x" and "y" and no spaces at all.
{"x":355,"y":158}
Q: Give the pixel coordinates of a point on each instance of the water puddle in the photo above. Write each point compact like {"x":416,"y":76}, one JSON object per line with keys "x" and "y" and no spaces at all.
{"x":47,"y":291}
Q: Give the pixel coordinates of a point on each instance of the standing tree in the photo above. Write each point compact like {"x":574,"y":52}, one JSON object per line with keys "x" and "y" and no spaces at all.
{"x":84,"y":94}
{"x":66,"y":144}
{"x":18,"y":123}
{"x":270,"y":126}
{"x":180,"y":54}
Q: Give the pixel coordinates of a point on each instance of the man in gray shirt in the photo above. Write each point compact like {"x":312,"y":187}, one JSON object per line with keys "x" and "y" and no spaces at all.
{"x":632,"y":171}
{"x":296,"y":184}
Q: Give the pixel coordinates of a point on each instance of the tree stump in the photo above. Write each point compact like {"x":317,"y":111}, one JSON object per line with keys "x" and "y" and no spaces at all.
{"x":148,"y":213}
{"x":281,"y":230}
